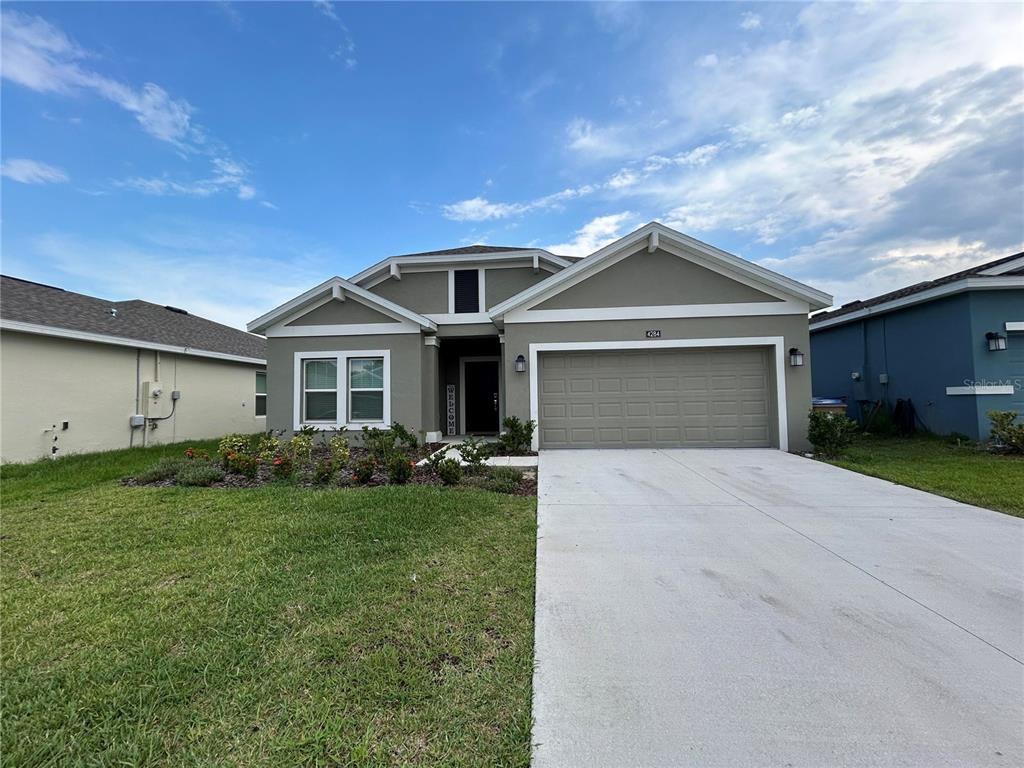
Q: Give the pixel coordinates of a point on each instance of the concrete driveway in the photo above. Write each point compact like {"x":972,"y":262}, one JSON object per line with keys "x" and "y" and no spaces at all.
{"x":754,"y":608}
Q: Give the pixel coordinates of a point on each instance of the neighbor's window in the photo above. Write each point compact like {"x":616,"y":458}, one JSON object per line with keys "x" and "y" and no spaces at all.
{"x":320,"y":390}
{"x":261,"y":393}
{"x":467,"y":290}
{"x":366,"y":389}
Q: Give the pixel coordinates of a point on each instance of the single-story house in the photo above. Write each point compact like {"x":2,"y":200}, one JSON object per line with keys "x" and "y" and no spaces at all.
{"x":655,"y":340}
{"x":80,"y":374}
{"x":953,"y":346}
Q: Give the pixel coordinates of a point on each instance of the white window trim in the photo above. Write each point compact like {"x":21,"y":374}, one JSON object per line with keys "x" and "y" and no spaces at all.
{"x":257,"y":395}
{"x":778,"y":342}
{"x":480,"y":300}
{"x":462,"y":387}
{"x":341,"y":359}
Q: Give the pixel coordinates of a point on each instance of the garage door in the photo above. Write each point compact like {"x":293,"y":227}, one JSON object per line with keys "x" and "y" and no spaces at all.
{"x":714,"y":398}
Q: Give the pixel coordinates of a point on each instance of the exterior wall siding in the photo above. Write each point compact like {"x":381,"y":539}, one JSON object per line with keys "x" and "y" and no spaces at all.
{"x":501,"y":284}
{"x":793,"y":329}
{"x":423,"y":292}
{"x":46,"y":381}
{"x":990,"y":311}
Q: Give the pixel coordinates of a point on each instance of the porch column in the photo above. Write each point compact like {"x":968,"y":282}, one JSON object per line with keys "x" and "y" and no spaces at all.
{"x":431,"y":389}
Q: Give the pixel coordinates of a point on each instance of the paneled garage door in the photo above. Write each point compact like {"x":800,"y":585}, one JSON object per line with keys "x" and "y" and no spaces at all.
{"x":715,"y":398}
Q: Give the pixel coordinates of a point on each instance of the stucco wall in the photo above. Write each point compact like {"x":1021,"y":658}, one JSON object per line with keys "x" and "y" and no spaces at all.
{"x":423,"y":292}
{"x":500,"y":284}
{"x":793,"y":328}
{"x":924,"y":349}
{"x":407,"y":377}
{"x":46,"y":381}
{"x":348,"y":312}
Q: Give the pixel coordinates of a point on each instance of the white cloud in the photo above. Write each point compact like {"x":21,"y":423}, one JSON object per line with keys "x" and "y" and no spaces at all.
{"x":346,"y":49}
{"x":707,"y":61}
{"x":270,"y":205}
{"x":32,"y":172}
{"x":480,"y":209}
{"x":750,"y":21}
{"x":595,"y":234}
{"x":226,"y":175}
{"x":587,"y":139}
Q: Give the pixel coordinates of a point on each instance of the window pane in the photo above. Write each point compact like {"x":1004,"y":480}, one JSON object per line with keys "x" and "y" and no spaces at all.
{"x":321,"y":374}
{"x":261,"y":405}
{"x":261,"y":383}
{"x":321,"y":406}
{"x":367,"y":406}
{"x":366,"y":373}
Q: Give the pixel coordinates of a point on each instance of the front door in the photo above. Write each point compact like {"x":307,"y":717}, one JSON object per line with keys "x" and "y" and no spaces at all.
{"x":481,"y":396}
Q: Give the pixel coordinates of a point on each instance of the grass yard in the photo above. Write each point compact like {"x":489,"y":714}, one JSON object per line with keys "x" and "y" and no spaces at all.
{"x":265,"y":626}
{"x":933,"y":464}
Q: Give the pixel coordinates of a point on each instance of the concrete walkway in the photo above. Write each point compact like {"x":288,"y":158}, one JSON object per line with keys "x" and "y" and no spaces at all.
{"x":754,"y":608}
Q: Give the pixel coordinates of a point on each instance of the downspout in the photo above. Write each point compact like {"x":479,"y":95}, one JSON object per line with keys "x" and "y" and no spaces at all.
{"x":138,"y":391}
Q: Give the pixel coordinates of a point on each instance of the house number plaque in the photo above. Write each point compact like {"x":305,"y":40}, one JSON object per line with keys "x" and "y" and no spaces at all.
{"x":653,"y":334}
{"x":450,"y":397}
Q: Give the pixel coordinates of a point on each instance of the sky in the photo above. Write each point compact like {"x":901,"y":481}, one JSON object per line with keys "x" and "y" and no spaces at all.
{"x":224,"y":157}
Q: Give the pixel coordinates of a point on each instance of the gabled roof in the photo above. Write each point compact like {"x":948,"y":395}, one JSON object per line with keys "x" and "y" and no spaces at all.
{"x":657,"y":234}
{"x":44,"y":309}
{"x":338,"y":287}
{"x":469,"y":253}
{"x":994,"y":273}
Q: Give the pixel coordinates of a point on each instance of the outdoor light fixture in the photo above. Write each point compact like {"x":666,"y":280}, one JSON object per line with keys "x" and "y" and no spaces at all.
{"x":996,"y":341}
{"x":796,"y":357}
{"x":520,"y":364}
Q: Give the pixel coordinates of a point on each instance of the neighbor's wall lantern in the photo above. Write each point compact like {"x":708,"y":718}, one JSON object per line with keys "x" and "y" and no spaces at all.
{"x":796,"y":357}
{"x":996,"y":341}
{"x":520,"y":364}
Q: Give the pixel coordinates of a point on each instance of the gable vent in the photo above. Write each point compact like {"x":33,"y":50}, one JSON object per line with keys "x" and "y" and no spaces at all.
{"x":467,"y":291}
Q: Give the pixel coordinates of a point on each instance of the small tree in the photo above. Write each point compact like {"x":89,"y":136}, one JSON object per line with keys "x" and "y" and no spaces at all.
{"x":830,"y":433}
{"x":1005,"y":431}
{"x":518,"y":435}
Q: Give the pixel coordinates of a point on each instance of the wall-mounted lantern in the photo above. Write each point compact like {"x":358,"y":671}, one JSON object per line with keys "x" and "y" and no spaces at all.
{"x":520,"y":364}
{"x":796,"y":357}
{"x":996,"y":341}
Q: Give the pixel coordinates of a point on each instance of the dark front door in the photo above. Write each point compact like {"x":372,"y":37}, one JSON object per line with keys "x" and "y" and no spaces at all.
{"x":481,"y":394}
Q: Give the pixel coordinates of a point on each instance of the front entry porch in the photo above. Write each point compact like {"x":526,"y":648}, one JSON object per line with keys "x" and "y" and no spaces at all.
{"x":471,"y":390}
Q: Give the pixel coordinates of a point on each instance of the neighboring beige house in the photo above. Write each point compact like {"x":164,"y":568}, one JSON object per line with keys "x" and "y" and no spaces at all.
{"x":655,"y":340}
{"x":80,"y":374}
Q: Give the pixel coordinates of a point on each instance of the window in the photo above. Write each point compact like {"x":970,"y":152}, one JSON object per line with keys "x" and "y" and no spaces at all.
{"x":466,"y":287}
{"x":320,"y":390}
{"x":366,"y":389}
{"x":342,"y":389}
{"x":261,"y":393}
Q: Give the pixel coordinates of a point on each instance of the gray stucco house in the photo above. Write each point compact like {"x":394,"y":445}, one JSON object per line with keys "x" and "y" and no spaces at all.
{"x":953,"y":346}
{"x":655,"y":340}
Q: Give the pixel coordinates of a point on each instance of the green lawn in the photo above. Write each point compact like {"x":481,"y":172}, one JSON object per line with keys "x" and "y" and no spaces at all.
{"x":964,"y":473}
{"x":270,"y":626}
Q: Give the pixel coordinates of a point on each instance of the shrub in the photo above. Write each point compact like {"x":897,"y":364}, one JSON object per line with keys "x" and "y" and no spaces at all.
{"x":267,"y":447}
{"x":164,"y":469}
{"x":363,"y":471}
{"x":282,"y":466}
{"x":474,"y":452}
{"x":517,"y":438}
{"x":338,"y":445}
{"x":830,"y":433}
{"x":323,"y":471}
{"x":201,"y":454}
{"x":449,"y":470}
{"x":404,"y":437}
{"x":1005,"y":431}
{"x":232,"y":444}
{"x":301,"y":446}
{"x":400,"y":468}
{"x":243,"y":464}
{"x":199,"y":474}
{"x":499,"y":480}
{"x":379,"y":442}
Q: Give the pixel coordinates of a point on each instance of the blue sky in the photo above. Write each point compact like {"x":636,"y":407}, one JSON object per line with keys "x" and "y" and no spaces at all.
{"x":225,"y":156}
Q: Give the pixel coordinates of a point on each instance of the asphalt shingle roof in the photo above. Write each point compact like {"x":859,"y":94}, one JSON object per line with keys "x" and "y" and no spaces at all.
{"x":468,"y":249}
{"x":910,"y":290}
{"x":28,"y":302}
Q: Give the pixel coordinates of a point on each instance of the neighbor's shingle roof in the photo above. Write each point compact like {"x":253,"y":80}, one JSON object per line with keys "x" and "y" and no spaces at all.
{"x":28,"y":302}
{"x":910,"y":290}
{"x":467,"y":249}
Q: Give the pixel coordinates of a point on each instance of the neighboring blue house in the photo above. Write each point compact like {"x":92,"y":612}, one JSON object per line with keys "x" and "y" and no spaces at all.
{"x":954,"y":346}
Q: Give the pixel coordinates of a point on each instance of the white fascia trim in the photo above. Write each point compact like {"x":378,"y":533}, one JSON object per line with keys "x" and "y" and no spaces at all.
{"x":461,"y":258}
{"x":352,"y":329}
{"x":1009,"y":266}
{"x":982,"y":389}
{"x":777,"y":342}
{"x":459,"y":318}
{"x":120,"y":341}
{"x":764,"y":279}
{"x":287,"y":311}
{"x":1014,"y":325}
{"x":749,"y":309}
{"x":967,"y":284}
{"x":342,"y":359}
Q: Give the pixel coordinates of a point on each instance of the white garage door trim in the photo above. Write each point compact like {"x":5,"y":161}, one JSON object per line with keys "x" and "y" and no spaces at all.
{"x":742,"y":341}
